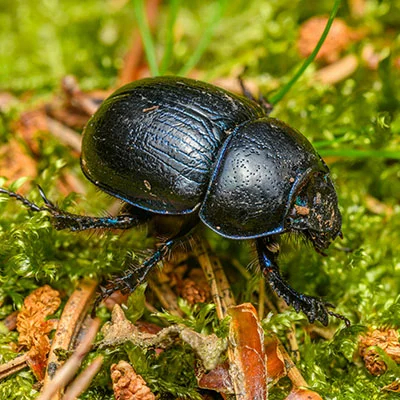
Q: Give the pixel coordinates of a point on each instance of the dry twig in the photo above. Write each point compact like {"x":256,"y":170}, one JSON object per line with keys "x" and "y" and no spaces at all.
{"x":53,"y":389}
{"x":82,"y":382}
{"x":69,"y":325}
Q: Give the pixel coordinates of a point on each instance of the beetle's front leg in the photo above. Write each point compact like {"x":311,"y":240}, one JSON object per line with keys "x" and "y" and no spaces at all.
{"x":314,"y":308}
{"x":128,"y":218}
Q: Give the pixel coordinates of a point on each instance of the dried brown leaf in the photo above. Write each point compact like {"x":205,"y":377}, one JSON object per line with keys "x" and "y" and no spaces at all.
{"x":33,"y":327}
{"x":393,"y":387}
{"x":248,"y":367}
{"x":218,"y":379}
{"x":276,"y":368}
{"x":387,"y":340}
{"x":15,"y":162}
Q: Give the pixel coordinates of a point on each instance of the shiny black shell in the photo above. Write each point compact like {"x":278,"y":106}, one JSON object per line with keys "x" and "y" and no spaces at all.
{"x":173,"y":145}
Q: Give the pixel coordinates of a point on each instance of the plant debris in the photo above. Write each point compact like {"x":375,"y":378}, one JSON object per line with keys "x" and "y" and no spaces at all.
{"x":209,"y":348}
{"x":385,"y":339}
{"x":34,"y":329}
{"x":127,"y":384}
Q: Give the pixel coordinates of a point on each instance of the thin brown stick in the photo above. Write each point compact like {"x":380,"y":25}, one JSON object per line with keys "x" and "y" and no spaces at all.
{"x":294,"y":346}
{"x":220,"y":289}
{"x":338,"y":71}
{"x":290,"y":333}
{"x":10,"y":321}
{"x":222,"y":280}
{"x":68,"y":327}
{"x":66,"y":135}
{"x":13,"y":366}
{"x":64,"y":375}
{"x":165,"y":296}
{"x":82,"y":382}
{"x":77,"y":97}
{"x":293,"y":372}
{"x":261,"y":299}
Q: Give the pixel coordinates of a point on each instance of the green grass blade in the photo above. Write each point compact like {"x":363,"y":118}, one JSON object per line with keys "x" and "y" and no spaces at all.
{"x":145,"y":33}
{"x":206,"y":38}
{"x":356,"y":153}
{"x":169,"y":42}
{"x":278,"y":96}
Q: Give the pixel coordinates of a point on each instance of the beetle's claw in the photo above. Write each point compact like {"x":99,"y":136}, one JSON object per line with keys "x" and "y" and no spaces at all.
{"x":317,"y":310}
{"x":341,"y":317}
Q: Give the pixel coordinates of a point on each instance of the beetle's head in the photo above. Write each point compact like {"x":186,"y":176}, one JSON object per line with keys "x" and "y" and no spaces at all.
{"x":315,"y":211}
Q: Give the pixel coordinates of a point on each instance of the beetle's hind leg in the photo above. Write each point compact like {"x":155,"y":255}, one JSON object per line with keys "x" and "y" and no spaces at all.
{"x":136,"y":275}
{"x":74,"y":222}
{"x":315,"y":309}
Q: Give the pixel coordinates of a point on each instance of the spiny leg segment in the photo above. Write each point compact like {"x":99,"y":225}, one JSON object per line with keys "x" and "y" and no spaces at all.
{"x":129,"y":217}
{"x":136,"y":275}
{"x":314,"y":308}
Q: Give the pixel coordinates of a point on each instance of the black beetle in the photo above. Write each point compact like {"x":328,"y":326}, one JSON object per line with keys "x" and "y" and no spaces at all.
{"x":177,"y":146}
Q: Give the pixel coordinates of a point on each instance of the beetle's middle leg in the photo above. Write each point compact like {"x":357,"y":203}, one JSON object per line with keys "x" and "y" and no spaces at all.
{"x":128,"y":217}
{"x":314,"y":308}
{"x":136,"y":275}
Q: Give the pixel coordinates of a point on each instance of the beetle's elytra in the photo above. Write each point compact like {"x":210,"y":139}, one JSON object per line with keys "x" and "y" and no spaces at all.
{"x":177,"y":146}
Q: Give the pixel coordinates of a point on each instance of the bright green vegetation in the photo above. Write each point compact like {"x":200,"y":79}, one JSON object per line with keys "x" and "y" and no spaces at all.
{"x":354,"y":124}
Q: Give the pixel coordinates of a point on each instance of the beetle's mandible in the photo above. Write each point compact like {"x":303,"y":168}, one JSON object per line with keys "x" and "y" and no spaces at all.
{"x":176,"y":146}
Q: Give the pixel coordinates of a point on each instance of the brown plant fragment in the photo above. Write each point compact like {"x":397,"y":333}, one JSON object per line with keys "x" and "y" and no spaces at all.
{"x":303,"y":394}
{"x":34,"y":329}
{"x":83,"y":380}
{"x":68,"y":328}
{"x":248,"y":361}
{"x":338,"y":71}
{"x":127,"y":384}
{"x":13,"y":366}
{"x":218,"y":379}
{"x":15,"y":162}
{"x":387,"y":340}
{"x":338,"y":39}
{"x":10,"y":322}
{"x":29,"y":123}
{"x":195,"y":288}
{"x":58,"y":378}
{"x":276,"y":368}
{"x":192,"y":292}
{"x":209,"y":348}
{"x":393,"y":387}
{"x":134,"y":63}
